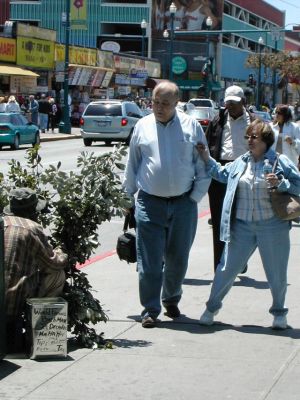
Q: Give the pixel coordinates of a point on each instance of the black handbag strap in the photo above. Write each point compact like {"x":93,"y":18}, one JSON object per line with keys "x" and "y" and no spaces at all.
{"x":126,"y":222}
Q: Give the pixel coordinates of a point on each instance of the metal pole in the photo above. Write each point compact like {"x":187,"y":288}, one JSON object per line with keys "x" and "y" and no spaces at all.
{"x":259,"y":79}
{"x":171,"y":47}
{"x":65,"y":126}
{"x":143,"y":42}
{"x":208,"y":68}
{"x":274,"y":80}
{"x":2,"y":294}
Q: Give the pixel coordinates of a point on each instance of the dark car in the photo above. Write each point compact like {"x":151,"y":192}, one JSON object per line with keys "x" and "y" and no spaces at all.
{"x":202,"y":114}
{"x":16,"y":130}
{"x":109,"y":120}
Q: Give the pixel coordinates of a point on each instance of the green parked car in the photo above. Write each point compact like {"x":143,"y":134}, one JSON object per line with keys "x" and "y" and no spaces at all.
{"x":16,"y":130}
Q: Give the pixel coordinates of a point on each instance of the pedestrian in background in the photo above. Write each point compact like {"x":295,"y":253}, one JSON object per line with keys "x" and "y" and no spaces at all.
{"x":287,"y":133}
{"x":167,"y":172}
{"x":226,"y":141}
{"x":44,"y":111}
{"x":248,"y":221}
{"x":52,"y":114}
{"x":12,"y":105}
{"x":2,"y":104}
{"x":33,"y":110}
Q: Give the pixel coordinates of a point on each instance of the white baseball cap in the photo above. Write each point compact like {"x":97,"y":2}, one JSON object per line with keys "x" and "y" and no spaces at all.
{"x":234,"y":93}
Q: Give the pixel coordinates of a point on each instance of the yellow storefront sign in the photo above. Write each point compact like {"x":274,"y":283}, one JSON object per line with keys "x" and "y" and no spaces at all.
{"x":7,"y":49}
{"x":78,"y":14}
{"x":77,"y":55}
{"x":36,"y":53}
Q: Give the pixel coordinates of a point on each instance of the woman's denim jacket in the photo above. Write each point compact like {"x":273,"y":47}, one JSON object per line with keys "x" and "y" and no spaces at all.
{"x":231,"y":173}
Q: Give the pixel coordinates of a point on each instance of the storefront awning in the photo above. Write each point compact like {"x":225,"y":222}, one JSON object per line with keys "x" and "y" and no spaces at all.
{"x":196,"y":84}
{"x":12,"y":70}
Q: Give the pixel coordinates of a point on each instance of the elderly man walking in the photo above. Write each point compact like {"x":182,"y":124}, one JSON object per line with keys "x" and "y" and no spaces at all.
{"x":169,"y":178}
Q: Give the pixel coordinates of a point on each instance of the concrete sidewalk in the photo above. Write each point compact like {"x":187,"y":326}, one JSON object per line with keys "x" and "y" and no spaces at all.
{"x":49,"y":136}
{"x":239,"y":358}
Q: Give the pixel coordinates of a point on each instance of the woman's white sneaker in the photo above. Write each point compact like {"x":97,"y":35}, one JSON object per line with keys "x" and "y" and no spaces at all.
{"x":279,"y":322}
{"x":207,"y":318}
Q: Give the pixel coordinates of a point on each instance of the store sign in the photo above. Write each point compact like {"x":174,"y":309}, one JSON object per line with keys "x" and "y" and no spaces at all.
{"x":77,"y":55}
{"x":107,"y":78}
{"x":111,"y":46}
{"x":105,"y":59}
{"x":179,"y":65}
{"x":36,"y":32}
{"x":8,"y":49}
{"x":35,"y":53}
{"x":85,"y":76}
{"x":23,"y":84}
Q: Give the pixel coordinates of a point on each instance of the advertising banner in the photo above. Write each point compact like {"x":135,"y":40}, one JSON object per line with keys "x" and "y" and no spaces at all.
{"x":35,"y":53}
{"x":78,"y":14}
{"x":8,"y":49}
{"x":105,"y":59}
{"x":36,"y":32}
{"x":190,"y":15}
{"x":77,"y":55}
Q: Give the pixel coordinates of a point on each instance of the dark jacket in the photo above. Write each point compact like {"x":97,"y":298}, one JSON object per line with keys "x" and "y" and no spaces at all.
{"x":44,"y":106}
{"x":214,"y":133}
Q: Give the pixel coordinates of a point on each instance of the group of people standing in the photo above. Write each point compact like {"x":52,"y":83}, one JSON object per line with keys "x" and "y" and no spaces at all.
{"x":42,"y":112}
{"x":171,"y":166}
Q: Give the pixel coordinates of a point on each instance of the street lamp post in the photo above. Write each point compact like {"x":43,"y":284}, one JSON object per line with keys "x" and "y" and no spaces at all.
{"x":258,"y":97}
{"x":143,"y":27}
{"x":166,"y":36}
{"x":172,"y":10}
{"x":65,"y":125}
{"x":209,"y":23}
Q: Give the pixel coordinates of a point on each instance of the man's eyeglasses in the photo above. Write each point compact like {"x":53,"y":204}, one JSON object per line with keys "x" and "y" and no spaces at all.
{"x":278,"y":112}
{"x":247,"y":137}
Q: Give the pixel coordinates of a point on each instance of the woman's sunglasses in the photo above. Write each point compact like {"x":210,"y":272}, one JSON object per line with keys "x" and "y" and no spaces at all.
{"x":247,"y":137}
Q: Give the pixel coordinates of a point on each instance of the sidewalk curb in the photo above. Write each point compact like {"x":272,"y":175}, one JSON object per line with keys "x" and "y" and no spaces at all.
{"x":56,"y":137}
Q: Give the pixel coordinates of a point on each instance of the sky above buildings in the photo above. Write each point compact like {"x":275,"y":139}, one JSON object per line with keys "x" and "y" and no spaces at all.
{"x":292,"y":9}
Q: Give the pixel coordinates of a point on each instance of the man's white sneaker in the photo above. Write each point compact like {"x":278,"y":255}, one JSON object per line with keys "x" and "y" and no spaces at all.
{"x":207,"y":318}
{"x":279,"y":322}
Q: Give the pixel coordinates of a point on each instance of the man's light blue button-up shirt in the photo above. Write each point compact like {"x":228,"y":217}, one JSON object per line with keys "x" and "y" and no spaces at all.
{"x":163,"y":160}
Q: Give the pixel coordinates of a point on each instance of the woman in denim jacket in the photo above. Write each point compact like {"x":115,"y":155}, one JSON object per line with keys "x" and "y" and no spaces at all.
{"x":248,"y":221}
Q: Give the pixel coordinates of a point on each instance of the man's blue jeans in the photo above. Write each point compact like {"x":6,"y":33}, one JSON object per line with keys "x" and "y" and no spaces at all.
{"x":43,"y":121}
{"x":165,"y":233}
{"x":271,"y":237}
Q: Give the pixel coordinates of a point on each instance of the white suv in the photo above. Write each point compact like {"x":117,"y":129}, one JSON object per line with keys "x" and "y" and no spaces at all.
{"x":207,"y":103}
{"x":109,"y":120}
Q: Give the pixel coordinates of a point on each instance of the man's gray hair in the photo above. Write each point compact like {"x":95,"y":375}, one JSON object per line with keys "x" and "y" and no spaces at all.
{"x":168,"y":87}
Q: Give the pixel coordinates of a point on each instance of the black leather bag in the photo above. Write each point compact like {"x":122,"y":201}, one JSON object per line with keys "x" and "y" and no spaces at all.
{"x":126,"y":248}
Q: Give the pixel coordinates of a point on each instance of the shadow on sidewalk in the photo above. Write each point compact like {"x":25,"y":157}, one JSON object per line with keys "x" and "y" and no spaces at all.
{"x":7,"y":368}
{"x":192,"y":326}
{"x":129,"y":344}
{"x":243,"y":281}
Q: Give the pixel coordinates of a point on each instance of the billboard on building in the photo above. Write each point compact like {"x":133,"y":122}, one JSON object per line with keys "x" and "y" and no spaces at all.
{"x":190,"y":15}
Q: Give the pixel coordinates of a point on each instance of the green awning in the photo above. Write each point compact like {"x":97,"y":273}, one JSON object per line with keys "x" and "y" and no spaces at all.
{"x":215,"y":86}
{"x":190,"y":84}
{"x":196,"y":84}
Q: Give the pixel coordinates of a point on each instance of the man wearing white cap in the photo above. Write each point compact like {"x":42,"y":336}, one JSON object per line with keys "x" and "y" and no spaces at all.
{"x":225,"y":137}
